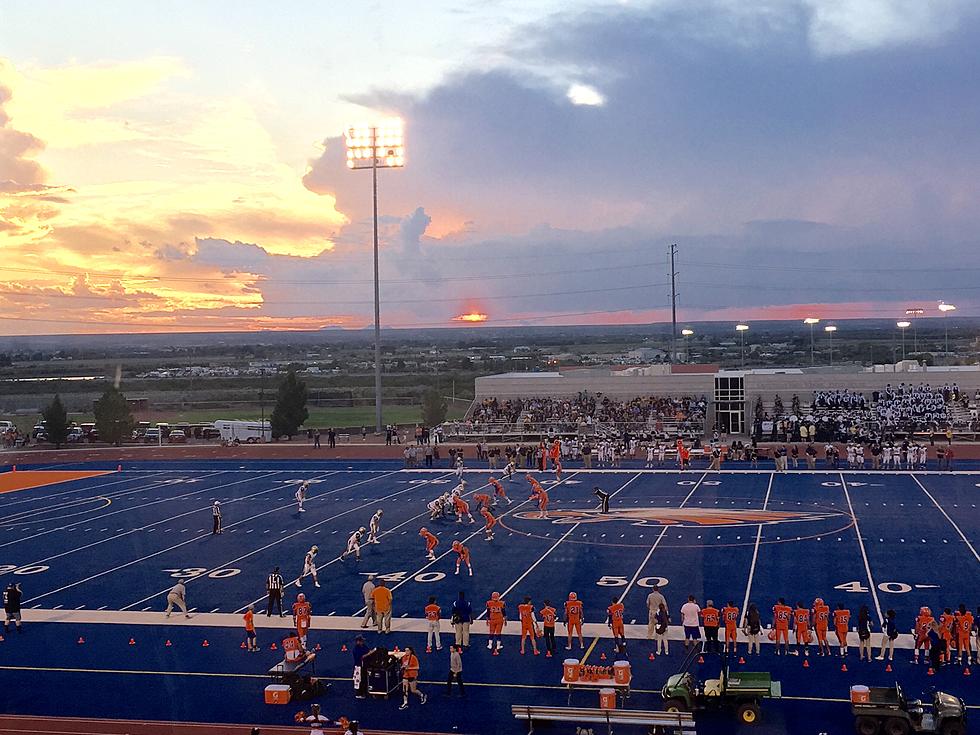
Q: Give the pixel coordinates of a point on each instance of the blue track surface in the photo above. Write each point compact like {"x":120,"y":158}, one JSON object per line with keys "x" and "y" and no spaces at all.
{"x":116,"y":543}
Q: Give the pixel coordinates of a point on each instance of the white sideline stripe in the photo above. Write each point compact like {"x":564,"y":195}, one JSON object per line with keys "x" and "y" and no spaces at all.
{"x":554,"y":546}
{"x":656,"y":543}
{"x":951,"y":521}
{"x":864,"y":554}
{"x":755,"y":556}
{"x":350,"y":623}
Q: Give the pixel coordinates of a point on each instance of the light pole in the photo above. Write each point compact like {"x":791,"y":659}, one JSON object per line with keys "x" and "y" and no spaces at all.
{"x":810,"y":320}
{"x":912,"y":314}
{"x":374,"y":147}
{"x":903,"y":326}
{"x":685,"y":333}
{"x":742,"y":329}
{"x":945,"y":309}
{"x":830,"y":329}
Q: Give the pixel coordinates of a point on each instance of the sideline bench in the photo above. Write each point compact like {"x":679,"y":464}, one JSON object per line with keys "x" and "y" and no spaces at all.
{"x":672,"y":723}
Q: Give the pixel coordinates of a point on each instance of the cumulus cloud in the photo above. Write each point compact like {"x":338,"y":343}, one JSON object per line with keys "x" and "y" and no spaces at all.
{"x":18,"y":170}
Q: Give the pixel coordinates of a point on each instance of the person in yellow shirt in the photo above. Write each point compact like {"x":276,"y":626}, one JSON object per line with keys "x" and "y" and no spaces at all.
{"x":382,"y":606}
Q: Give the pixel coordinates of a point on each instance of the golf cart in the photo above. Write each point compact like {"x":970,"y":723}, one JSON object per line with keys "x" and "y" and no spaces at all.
{"x":742,"y":691}
{"x":886,"y":710}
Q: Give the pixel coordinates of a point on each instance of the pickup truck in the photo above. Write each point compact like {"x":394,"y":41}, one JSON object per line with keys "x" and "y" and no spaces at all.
{"x":887,"y":711}
{"x":742,"y":691}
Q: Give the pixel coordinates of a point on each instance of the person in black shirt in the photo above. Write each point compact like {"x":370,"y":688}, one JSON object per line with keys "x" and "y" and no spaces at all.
{"x":11,"y":605}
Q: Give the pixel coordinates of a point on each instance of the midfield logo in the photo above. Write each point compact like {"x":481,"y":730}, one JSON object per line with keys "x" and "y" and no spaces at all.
{"x":715,"y":517}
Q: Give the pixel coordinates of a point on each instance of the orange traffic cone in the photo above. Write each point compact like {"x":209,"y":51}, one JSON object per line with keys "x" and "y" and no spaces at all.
{"x":843,"y":667}
{"x":168,"y":644}
{"x":602,"y":657}
{"x":205,"y":644}
{"x":651,"y":657}
{"x":496,"y":652}
{"x":966,"y":671}
{"x":741,"y":659}
{"x":888,"y":669}
{"x":132,"y":641}
{"x":428,"y":649}
{"x":931,"y":672}
{"x":343,"y":648}
{"x":806,"y":663}
{"x":700,"y":659}
{"x":273,"y":647}
{"x":81,"y":641}
{"x":241,"y":646}
{"x":547,"y":654}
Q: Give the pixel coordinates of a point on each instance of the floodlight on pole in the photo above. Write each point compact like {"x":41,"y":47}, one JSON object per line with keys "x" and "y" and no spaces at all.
{"x":945,"y":309}
{"x":742,"y":329}
{"x":903,"y":326}
{"x":811,"y":320}
{"x":376,"y":146}
{"x":685,"y":333}
{"x":830,"y":329}
{"x":913,"y":313}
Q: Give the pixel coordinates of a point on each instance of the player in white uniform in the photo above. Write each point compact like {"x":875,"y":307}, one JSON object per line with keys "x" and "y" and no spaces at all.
{"x":354,"y":544}
{"x":458,"y":490}
{"x":301,"y":491}
{"x":650,"y":453}
{"x":309,"y":567}
{"x":435,"y":508}
{"x":510,"y":470}
{"x":661,"y":453}
{"x":459,"y":467}
{"x":374,"y":527}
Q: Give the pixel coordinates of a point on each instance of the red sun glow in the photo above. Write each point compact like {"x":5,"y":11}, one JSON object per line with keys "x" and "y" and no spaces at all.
{"x":471,"y":317}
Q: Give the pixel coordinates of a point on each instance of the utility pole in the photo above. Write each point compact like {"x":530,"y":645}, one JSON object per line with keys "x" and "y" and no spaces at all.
{"x":673,"y":302}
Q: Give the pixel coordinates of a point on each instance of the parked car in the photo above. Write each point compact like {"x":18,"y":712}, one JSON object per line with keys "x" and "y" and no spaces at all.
{"x":209,"y":432}
{"x":177,"y":437}
{"x":76,"y":435}
{"x":151,"y":436}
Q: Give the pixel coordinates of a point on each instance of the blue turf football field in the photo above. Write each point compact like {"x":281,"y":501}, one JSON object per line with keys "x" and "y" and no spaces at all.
{"x":119,"y":541}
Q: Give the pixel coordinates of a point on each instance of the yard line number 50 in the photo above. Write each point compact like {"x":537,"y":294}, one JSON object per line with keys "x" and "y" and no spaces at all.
{"x":616,"y":581}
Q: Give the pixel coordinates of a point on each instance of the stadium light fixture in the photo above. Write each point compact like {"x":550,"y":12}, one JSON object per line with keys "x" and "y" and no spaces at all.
{"x":381,"y":145}
{"x":742,"y":329}
{"x":903,"y":325}
{"x":830,"y":329}
{"x":945,"y":309}
{"x":912,"y":313}
{"x":810,"y":321}
{"x":685,"y":333}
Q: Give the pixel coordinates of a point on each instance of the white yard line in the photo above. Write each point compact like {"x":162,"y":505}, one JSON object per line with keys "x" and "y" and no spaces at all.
{"x":864,"y":553}
{"x":755,"y":555}
{"x":951,"y":521}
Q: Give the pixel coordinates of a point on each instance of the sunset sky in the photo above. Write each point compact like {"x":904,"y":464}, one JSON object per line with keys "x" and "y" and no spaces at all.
{"x":180,"y":165}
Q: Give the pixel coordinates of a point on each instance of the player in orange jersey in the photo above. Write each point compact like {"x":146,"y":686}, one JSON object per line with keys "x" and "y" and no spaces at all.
{"x":616,"y":612}
{"x":462,"y":509}
{"x":781,"y":614}
{"x":548,"y":617}
{"x":540,"y":494}
{"x":462,"y":556}
{"x":573,"y":620}
{"x":496,"y":620}
{"x":801,"y":627}
{"x":842,"y":617}
{"x":498,"y":490}
{"x":964,"y":624}
{"x":922,"y":625}
{"x":946,"y":622}
{"x":529,"y":626}
{"x":821,"y":621}
{"x":729,"y":617}
{"x":490,"y":522}
{"x":432,"y":615}
{"x":302,"y":613}
{"x":482,"y":500}
{"x":555,"y":453}
{"x":431,"y":542}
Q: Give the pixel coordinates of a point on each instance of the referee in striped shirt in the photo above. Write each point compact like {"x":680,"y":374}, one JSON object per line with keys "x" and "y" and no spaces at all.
{"x":273,"y":587}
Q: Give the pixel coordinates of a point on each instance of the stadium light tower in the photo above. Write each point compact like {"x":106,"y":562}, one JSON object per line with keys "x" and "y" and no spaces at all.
{"x":945,"y":309}
{"x":811,"y":320}
{"x":376,"y":146}
{"x":830,"y":329}
{"x":903,"y":326}
{"x":685,"y":333}
{"x":912,"y":314}
{"x":742,"y":329}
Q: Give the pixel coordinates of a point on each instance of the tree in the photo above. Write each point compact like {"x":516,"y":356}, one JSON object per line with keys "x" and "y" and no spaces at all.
{"x":113,"y":420}
{"x":434,"y":408}
{"x":290,"y":411}
{"x":56,"y":422}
